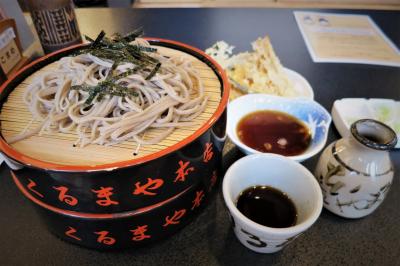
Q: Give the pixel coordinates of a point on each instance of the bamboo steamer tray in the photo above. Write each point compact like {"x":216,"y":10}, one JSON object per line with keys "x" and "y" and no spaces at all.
{"x":58,"y":147}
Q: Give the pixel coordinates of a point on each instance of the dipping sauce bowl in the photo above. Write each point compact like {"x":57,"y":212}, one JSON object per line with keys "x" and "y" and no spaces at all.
{"x":281,"y":173}
{"x":312,"y":114}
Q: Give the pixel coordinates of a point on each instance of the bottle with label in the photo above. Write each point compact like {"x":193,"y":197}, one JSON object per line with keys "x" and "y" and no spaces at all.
{"x":55,"y":23}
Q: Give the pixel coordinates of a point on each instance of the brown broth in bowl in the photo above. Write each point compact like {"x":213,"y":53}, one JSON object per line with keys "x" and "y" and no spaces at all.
{"x":274,"y":132}
{"x":267,"y":206}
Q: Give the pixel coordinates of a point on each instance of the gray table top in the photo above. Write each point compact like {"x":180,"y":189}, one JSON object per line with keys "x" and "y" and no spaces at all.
{"x":209,"y":240}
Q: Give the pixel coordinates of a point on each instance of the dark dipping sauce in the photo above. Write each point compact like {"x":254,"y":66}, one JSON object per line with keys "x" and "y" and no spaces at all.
{"x":267,"y":206}
{"x":275,"y":132}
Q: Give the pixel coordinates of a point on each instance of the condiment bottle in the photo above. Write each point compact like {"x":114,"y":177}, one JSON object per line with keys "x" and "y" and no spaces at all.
{"x":355,"y":173}
{"x":55,"y":23}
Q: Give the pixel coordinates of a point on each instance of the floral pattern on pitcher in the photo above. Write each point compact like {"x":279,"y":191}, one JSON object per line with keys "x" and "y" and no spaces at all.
{"x":349,"y":192}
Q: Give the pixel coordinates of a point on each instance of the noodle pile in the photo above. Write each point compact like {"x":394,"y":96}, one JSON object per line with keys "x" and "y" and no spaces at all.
{"x":171,"y":98}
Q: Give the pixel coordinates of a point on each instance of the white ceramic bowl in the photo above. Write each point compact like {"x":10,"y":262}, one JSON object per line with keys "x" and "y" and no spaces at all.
{"x":308,"y":111}
{"x":301,"y":86}
{"x":283,"y":174}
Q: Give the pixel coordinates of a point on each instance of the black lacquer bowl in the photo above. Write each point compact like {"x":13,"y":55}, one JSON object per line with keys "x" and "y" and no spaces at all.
{"x":130,"y":202}
{"x":126,"y":229}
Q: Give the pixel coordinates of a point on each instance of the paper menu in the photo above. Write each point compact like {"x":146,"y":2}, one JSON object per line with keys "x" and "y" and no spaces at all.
{"x":345,"y":38}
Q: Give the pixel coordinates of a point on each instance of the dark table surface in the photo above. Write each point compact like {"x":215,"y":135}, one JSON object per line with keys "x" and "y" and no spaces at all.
{"x":209,"y":240}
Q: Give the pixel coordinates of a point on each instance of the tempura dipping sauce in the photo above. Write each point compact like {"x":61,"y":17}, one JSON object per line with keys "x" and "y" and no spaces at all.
{"x":275,"y":132}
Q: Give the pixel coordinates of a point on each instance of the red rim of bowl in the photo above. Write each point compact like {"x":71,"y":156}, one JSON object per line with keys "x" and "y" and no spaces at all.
{"x":27,"y":160}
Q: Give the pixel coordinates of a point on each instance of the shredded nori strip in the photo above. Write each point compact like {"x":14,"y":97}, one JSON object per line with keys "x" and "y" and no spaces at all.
{"x":154,"y":71}
{"x":106,"y":87}
{"x":88,"y":38}
{"x":119,"y":50}
{"x":96,"y":42}
{"x":126,"y":73}
{"x":131,"y":36}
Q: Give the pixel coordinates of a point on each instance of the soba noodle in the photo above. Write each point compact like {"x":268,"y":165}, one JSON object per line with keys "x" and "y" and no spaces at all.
{"x":172,"y":98}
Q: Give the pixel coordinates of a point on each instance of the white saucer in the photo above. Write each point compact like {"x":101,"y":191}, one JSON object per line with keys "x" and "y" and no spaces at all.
{"x":348,"y":110}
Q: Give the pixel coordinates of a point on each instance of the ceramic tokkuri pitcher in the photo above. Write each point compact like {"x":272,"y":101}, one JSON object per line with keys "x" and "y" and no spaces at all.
{"x":355,"y":173}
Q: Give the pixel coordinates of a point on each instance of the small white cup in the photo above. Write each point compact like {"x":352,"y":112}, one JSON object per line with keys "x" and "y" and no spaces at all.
{"x":283,"y":174}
